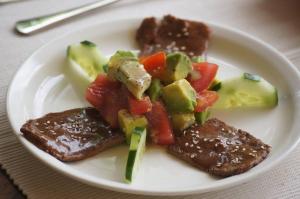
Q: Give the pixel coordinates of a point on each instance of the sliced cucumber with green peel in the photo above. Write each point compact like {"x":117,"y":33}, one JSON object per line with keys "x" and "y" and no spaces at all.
{"x":136,"y":151}
{"x":246,"y":91}
{"x":215,"y":85}
{"x":86,"y":60}
{"x":201,"y":117}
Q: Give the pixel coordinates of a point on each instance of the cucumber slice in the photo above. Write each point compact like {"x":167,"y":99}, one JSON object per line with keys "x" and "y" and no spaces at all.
{"x":86,"y":61}
{"x":246,"y":91}
{"x":215,"y":85}
{"x":136,"y":151}
{"x":154,"y":90}
{"x":201,"y":117}
{"x":198,"y":59}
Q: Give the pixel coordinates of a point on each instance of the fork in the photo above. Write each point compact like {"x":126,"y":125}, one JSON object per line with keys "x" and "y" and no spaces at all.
{"x":31,"y":25}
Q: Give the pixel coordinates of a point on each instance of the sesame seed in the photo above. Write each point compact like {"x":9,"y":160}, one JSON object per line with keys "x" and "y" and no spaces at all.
{"x":222,"y":129}
{"x":178,"y":35}
{"x":186,"y":144}
{"x":195,"y":141}
{"x":175,"y":48}
{"x":184,"y":29}
{"x":244,"y":149}
{"x":205,"y":139}
{"x":36,"y":123}
{"x":237,"y":147}
{"x":191,"y":54}
{"x":186,"y":34}
{"x":198,"y":147}
{"x":200,"y":151}
{"x":262,"y":147}
{"x":251,"y":154}
{"x":211,"y":140}
{"x":193,"y":155}
{"x":191,"y":145}
{"x":217,"y":144}
{"x":254,"y":151}
{"x":48,"y":122}
{"x":170,"y":33}
{"x":158,"y":45}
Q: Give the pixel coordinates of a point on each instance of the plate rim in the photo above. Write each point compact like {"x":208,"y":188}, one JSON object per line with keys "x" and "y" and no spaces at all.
{"x":116,"y":186}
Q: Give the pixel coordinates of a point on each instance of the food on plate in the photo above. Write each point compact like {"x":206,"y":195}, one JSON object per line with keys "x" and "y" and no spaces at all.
{"x":179,"y":96}
{"x":165,"y":95}
{"x":178,"y":66}
{"x":248,"y":90}
{"x":129,"y":122}
{"x":86,"y":61}
{"x":125,"y":67}
{"x":219,"y":149}
{"x":136,"y":150}
{"x":73,"y":134}
{"x":171,"y":34}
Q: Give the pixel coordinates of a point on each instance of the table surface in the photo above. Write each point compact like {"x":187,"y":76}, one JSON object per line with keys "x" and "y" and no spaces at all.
{"x":274,"y":21}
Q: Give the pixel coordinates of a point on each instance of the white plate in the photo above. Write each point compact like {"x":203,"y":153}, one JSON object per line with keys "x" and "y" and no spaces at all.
{"x":41,"y":86}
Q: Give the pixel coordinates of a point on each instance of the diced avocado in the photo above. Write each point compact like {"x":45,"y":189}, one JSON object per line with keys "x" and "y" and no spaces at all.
{"x":136,"y":151}
{"x":179,"y":97}
{"x":154,"y":90}
{"x":215,"y":85}
{"x":181,"y":121}
{"x":128,"y":122}
{"x":201,"y":117}
{"x":124,"y":66}
{"x":178,"y":67}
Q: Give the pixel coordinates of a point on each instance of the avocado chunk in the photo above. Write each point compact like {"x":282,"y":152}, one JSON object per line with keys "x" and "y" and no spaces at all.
{"x":154,"y":90}
{"x":178,"y":67}
{"x":201,"y":117}
{"x":179,"y":97}
{"x":129,"y":122}
{"x":181,"y":121}
{"x":124,"y":66}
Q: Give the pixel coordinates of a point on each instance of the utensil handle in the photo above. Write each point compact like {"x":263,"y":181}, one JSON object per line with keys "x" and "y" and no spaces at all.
{"x":34,"y":24}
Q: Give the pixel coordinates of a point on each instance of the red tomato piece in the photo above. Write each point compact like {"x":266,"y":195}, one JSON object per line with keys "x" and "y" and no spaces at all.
{"x":159,"y":124}
{"x":155,"y":64}
{"x":97,"y":90}
{"x":202,"y":75}
{"x":114,"y":101}
{"x":107,"y":96}
{"x":205,"y":99}
{"x":139,"y":107}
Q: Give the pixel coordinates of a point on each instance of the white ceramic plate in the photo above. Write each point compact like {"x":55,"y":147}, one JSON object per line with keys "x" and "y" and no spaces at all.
{"x":41,"y":86}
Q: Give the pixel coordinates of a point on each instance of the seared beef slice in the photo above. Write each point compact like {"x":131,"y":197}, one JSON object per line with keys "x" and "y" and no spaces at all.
{"x":172,"y":34}
{"x":72,"y":135}
{"x":219,"y":149}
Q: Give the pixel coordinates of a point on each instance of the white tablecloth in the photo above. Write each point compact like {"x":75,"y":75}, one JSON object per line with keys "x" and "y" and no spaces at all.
{"x":274,"y":21}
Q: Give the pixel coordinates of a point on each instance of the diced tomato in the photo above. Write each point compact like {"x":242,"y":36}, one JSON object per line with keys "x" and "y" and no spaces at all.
{"x":114,"y":101}
{"x":205,"y":99}
{"x":107,"y":96}
{"x":139,"y":107}
{"x":155,"y":64}
{"x":97,"y":90}
{"x":202,"y":75}
{"x":159,"y":125}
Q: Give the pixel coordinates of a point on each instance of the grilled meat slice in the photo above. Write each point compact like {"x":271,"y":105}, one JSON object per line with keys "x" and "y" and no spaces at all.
{"x":172,"y":34}
{"x":73,"y":134}
{"x":219,"y":149}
